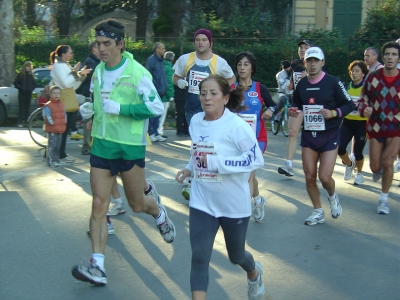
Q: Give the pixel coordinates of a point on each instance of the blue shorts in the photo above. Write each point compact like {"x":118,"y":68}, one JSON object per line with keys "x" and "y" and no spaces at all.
{"x":381,"y":140}
{"x":320,"y":141}
{"x":115,"y":165}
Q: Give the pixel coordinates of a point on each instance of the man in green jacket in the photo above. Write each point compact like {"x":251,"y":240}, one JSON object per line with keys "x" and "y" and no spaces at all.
{"x":124,"y":99}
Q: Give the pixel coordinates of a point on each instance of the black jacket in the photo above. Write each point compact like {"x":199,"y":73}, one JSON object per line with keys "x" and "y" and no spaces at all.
{"x":90,"y":62}
{"x":24,"y":85}
{"x":155,"y":65}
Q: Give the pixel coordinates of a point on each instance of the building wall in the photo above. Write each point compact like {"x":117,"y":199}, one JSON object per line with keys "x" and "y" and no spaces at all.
{"x":319,"y":13}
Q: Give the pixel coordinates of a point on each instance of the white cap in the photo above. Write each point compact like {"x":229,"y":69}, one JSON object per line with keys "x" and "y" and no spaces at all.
{"x":315,"y":52}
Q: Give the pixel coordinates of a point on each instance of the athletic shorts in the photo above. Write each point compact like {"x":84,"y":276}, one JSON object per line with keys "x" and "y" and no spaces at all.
{"x":263,"y":146}
{"x":381,"y":140}
{"x":320,"y":141}
{"x":115,"y":165}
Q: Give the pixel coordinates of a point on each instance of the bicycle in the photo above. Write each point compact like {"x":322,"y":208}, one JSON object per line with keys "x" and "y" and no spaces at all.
{"x":36,"y":130}
{"x":281,"y":120}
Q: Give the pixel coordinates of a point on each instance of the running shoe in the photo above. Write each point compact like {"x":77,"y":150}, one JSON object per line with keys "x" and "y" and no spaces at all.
{"x":377,"y":176}
{"x":285,"y":170}
{"x":89,"y":271}
{"x":259,"y":210}
{"x":383,"y":207}
{"x":116,"y":209}
{"x":396,"y":167}
{"x":348,"y":173}
{"x":359,"y":179}
{"x":54,"y":165}
{"x":353,"y":160}
{"x":110,"y":227}
{"x":315,"y":218}
{"x":76,"y":136}
{"x":255,"y":289}
{"x":67,"y":160}
{"x":336,"y":208}
{"x":161,"y":138}
{"x":153,"y":193}
{"x":167,"y":229}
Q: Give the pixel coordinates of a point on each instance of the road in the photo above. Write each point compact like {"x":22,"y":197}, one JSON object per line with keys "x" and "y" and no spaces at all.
{"x":45,"y":211}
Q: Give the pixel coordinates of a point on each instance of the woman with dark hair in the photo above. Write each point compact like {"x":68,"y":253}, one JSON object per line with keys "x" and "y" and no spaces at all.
{"x":354,"y":126}
{"x":257,"y":97}
{"x":69,"y":80}
{"x":25,"y":83}
{"x":224,"y":151}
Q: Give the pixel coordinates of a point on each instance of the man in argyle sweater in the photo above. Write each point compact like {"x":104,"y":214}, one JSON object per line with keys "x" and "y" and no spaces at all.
{"x":380,"y":102}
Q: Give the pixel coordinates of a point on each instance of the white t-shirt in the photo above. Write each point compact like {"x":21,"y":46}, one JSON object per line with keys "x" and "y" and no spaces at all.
{"x":223,"y":189}
{"x":223,"y":68}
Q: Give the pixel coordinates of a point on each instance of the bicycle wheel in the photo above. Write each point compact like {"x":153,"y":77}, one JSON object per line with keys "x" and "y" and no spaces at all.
{"x":275,"y":126}
{"x":35,"y":128}
{"x":285,"y":123}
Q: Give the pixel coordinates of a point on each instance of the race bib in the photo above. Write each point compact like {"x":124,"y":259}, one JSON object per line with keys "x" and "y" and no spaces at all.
{"x":250,"y":119}
{"x":355,"y":112}
{"x":195,"y":77}
{"x":313,"y":119}
{"x":201,"y":173}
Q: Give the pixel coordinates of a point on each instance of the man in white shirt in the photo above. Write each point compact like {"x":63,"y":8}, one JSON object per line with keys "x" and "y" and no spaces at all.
{"x":192,"y":68}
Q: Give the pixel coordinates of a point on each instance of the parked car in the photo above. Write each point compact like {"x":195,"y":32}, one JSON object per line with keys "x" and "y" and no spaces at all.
{"x":9,"y":95}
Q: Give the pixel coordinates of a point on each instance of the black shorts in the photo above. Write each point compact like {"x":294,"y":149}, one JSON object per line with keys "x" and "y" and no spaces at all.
{"x":115,"y":165}
{"x":320,"y":141}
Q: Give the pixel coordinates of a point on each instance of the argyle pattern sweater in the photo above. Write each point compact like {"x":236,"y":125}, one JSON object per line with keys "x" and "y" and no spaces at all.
{"x":384,"y":98}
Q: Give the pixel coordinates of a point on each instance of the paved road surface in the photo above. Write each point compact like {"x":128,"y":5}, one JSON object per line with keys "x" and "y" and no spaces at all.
{"x":44,"y":217}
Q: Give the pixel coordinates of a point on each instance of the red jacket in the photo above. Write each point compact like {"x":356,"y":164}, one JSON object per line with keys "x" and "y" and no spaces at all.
{"x":58,"y":115}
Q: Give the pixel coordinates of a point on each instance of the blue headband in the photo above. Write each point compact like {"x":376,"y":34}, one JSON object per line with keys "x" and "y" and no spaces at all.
{"x":109,"y":34}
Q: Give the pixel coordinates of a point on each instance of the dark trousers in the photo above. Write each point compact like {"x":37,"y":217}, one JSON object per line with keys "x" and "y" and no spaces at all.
{"x":71,"y":125}
{"x":153,"y":125}
{"x":180,"y":120}
{"x":24,"y":101}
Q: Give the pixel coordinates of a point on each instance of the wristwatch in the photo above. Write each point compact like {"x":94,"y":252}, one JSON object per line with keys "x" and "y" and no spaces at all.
{"x":334,"y":113}
{"x":272,"y":108}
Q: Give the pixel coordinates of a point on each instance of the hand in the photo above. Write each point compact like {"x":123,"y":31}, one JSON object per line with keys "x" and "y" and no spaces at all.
{"x":293,"y":112}
{"x":181,"y":83}
{"x":111,"y":107}
{"x":86,"y":110}
{"x":290,"y":86}
{"x":89,"y":125}
{"x":77,"y":67}
{"x":181,"y":175}
{"x":85,"y":71}
{"x":171,"y":99}
{"x":304,"y":74}
{"x":267,"y":114}
{"x":326,"y":113}
{"x":368,"y":112}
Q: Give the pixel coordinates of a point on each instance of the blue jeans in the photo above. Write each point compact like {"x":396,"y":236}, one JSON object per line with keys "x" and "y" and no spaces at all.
{"x":153,"y":125}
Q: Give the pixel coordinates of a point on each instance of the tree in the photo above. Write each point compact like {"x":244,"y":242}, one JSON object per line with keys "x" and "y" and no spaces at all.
{"x":30,"y":13}
{"x":169,"y":21}
{"x":7,"y":60}
{"x":63,"y":16}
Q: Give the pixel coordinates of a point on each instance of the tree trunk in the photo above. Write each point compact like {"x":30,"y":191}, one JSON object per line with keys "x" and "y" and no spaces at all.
{"x":30,"y":13}
{"x":142,"y":14}
{"x":86,"y":12}
{"x":7,"y":59}
{"x":63,"y":15}
{"x":175,"y":10}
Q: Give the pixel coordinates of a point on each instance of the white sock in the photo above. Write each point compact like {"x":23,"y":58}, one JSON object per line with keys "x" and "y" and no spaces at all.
{"x":99,"y":259}
{"x":319,"y":210}
{"x":257,"y":200}
{"x":74,"y":132}
{"x":160,"y":218}
{"x":331,"y":198}
{"x":289,"y":162}
{"x":383,"y":197}
{"x":118,"y":201}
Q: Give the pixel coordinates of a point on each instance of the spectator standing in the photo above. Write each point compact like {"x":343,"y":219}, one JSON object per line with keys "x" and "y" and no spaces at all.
{"x":155,"y":65}
{"x":54,"y":124}
{"x":25,"y":83}
{"x":169,"y":57}
{"x":380,"y":103}
{"x":371,"y":55}
{"x":283,"y":80}
{"x":90,"y":62}
{"x":192,"y":68}
{"x":182,"y":127}
{"x":69,"y":80}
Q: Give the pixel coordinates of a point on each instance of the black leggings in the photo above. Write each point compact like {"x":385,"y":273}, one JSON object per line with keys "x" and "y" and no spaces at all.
{"x":71,"y":125}
{"x":203,"y":229}
{"x":350,"y":129}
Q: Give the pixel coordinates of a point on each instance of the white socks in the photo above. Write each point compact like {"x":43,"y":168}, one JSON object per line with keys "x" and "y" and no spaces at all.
{"x":384,"y":197}
{"x":257,"y":200}
{"x":160,"y":218}
{"x":99,"y":258}
{"x":118,"y":201}
{"x":289,"y":162}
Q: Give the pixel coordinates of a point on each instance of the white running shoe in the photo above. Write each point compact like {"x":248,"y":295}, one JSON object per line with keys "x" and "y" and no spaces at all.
{"x":160,"y":138}
{"x":359,"y":179}
{"x":286,"y":170}
{"x":396,"y":167}
{"x":348,"y":173}
{"x":255,"y":289}
{"x":353,"y":159}
{"x":383,"y":207}
{"x":377,"y":176}
{"x":315,"y":218}
{"x":259,"y":210}
{"x":153,"y":193}
{"x":336,"y":208}
{"x":116,"y":209}
{"x":167,"y":229}
{"x":91,"y":272}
